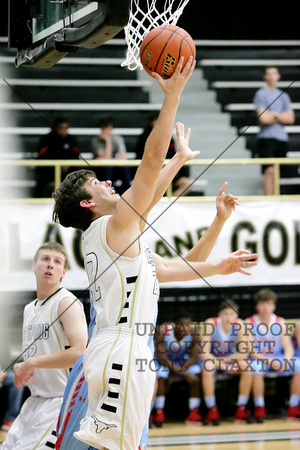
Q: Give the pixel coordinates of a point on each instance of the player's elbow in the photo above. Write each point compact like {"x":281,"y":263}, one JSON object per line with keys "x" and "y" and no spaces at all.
{"x":78,"y":350}
{"x":154,"y":155}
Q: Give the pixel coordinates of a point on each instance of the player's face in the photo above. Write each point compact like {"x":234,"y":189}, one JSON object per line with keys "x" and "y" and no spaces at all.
{"x":100,"y":190}
{"x":49,"y":267}
{"x":265,"y":308}
{"x":62,"y":129}
{"x":272,"y":76}
{"x":228,"y":315}
{"x":182,"y":328}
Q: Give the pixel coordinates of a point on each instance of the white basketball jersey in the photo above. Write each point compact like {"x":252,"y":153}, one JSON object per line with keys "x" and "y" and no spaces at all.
{"x":43,"y":334}
{"x":124,"y":290}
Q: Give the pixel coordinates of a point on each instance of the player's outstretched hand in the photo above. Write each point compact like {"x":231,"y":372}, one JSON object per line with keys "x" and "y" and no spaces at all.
{"x":183,"y":149}
{"x":226,"y":203}
{"x":175,"y":84}
{"x":236,"y":261}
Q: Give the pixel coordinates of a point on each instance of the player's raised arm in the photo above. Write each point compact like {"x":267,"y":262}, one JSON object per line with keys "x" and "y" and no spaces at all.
{"x":183,"y":154}
{"x":225,"y":203}
{"x":180,"y":270}
{"x":138,"y":198}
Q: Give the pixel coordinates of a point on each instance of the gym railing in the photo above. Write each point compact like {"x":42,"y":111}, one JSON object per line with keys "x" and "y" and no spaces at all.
{"x":90,"y":164}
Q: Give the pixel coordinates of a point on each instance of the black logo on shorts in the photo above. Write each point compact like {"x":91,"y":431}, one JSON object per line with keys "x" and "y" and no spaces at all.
{"x":100,"y":426}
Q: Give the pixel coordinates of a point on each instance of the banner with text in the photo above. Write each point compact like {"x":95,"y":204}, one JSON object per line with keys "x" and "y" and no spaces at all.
{"x":270,"y":228}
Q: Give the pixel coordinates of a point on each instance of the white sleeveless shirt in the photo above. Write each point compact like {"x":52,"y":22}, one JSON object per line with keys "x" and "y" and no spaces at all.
{"x":124,"y":290}
{"x":43,"y":334}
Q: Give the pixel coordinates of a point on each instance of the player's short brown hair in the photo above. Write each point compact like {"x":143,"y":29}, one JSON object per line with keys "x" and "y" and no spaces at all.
{"x":52,"y":246}
{"x":228,"y":303}
{"x":264,"y":295}
{"x":67,"y":210}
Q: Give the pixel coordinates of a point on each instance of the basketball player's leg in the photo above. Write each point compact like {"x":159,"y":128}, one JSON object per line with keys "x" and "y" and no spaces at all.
{"x":208,"y":386}
{"x":293,"y":412}
{"x":193,"y":381}
{"x":162,"y":376}
{"x":258,"y":391}
{"x":117,"y":412}
{"x":35,"y":427}
{"x":73,"y":410}
{"x":292,"y":368}
{"x":245,"y":387}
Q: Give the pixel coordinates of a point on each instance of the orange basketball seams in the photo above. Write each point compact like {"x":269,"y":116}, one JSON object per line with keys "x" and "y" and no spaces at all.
{"x":162,"y":48}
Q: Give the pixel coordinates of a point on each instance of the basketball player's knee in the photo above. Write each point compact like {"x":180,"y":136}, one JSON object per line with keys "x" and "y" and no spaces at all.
{"x":208,"y":368}
{"x":244,"y":366}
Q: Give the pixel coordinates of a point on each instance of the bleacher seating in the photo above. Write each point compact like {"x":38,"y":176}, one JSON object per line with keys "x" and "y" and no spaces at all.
{"x":235,"y":73}
{"x":83,"y":89}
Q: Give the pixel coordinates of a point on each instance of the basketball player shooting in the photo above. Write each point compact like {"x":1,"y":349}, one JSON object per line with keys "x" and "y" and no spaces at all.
{"x":124,"y":275}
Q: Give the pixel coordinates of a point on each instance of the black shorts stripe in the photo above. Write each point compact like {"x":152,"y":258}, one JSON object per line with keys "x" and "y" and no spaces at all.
{"x":109,"y":408}
{"x":113,"y":394}
{"x":114,"y":381}
{"x":131,"y":279}
{"x":49,"y":444}
{"x":123,"y":320}
{"x":53,"y":433}
{"x":117,"y":366}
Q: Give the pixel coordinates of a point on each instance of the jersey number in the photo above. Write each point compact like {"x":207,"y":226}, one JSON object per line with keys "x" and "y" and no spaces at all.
{"x":92,"y":271}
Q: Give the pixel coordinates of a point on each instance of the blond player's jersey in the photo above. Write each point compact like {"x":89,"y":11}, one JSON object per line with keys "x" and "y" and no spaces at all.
{"x":124,"y":290}
{"x":43,"y":334}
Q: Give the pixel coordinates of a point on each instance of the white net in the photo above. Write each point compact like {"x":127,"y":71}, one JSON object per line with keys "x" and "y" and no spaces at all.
{"x":145,"y":15}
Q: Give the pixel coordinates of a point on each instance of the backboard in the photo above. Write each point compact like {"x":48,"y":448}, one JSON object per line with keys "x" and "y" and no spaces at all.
{"x":44,"y":31}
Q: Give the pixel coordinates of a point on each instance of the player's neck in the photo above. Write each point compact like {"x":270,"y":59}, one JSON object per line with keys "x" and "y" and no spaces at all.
{"x":107,"y":209}
{"x":225,"y":326}
{"x":44,"y":291}
{"x":265,"y":318}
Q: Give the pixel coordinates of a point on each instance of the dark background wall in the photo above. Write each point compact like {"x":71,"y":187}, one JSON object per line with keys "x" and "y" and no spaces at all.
{"x":225,"y":20}
{"x":239,"y":20}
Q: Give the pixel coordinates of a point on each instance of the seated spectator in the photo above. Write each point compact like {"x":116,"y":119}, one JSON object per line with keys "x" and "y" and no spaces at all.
{"x":14,"y":399}
{"x":108,"y":145}
{"x":224,"y":349}
{"x":295,"y":384}
{"x":182,"y":182}
{"x":57,"y":144}
{"x":273,"y":351}
{"x":176,"y":356}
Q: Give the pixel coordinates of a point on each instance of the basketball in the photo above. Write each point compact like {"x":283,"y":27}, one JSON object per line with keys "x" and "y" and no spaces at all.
{"x":162,"y":48}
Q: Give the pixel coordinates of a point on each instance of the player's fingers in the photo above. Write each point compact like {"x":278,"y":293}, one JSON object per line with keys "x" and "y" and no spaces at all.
{"x":244,"y":272}
{"x":223,"y":188}
{"x":188,"y":134}
{"x":249,"y":257}
{"x":158,"y":77}
{"x":180,"y":126}
{"x":179,"y":66}
{"x":179,"y":130}
{"x":229,"y":197}
{"x":249,"y":264}
{"x":189,"y":68}
{"x":241,"y":252}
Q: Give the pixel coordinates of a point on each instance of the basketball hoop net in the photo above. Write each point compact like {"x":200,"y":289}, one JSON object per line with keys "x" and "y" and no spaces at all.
{"x":142,"y":18}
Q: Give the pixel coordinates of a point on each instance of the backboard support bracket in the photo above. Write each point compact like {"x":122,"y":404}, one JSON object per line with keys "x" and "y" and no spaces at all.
{"x":110,"y":19}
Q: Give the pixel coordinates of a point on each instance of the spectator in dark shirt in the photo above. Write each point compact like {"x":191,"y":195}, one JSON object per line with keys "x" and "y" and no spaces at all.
{"x":57,"y":144}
